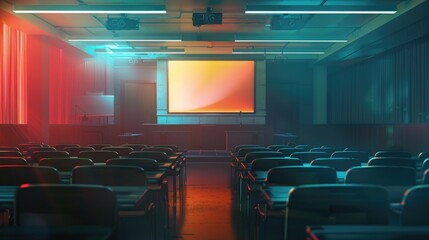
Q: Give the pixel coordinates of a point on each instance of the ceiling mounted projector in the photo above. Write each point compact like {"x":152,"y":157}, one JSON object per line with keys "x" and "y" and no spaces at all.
{"x":287,"y":22}
{"x":208,"y":17}
{"x":123,"y":23}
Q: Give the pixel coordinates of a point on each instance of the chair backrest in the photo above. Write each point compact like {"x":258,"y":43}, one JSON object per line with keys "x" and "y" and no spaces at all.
{"x":25,"y":146}
{"x":31,"y":150}
{"x":13,"y":161}
{"x":422,"y":157}
{"x":7,"y":153}
{"x":238,"y":147}
{"x":392,"y":161}
{"x":381,"y":175}
{"x":9,"y":148}
{"x":399,"y":154}
{"x":146,"y":163}
{"x":135,"y":146}
{"x":98,"y":156}
{"x":122,"y":151}
{"x":65,"y":205}
{"x":109,"y":175}
{"x":65,"y":164}
{"x":61,"y":147}
{"x":99,"y":146}
{"x":74,"y":151}
{"x":425,"y":177}
{"x":328,"y":150}
{"x":18,"y":174}
{"x":299,"y":175}
{"x":307,"y":157}
{"x":243,"y":151}
{"x":165,"y":150}
{"x":306,"y":147}
{"x":254,"y":155}
{"x":175,"y":148}
{"x":334,"y":205}
{"x":158,"y":156}
{"x":415,"y":208}
{"x":425,"y":165}
{"x":361,"y":155}
{"x":48,"y":154}
{"x":266,"y":163}
{"x":287,"y":151}
{"x":339,"y":164}
{"x":276,"y":147}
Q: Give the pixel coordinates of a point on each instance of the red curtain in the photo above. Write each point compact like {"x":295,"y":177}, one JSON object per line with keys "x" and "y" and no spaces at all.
{"x":13,"y":77}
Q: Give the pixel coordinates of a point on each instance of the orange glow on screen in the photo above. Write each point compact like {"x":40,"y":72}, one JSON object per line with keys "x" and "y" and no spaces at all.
{"x":211,"y":86}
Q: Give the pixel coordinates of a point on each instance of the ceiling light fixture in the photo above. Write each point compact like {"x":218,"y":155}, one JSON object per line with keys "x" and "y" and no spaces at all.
{"x":282,"y":9}
{"x":141,"y":51}
{"x":275,"y":52}
{"x":124,"y":40}
{"x":108,"y":9}
{"x":293,"y":40}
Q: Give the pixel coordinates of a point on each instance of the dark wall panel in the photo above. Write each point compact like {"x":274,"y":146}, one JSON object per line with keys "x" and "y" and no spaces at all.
{"x":391,"y":88}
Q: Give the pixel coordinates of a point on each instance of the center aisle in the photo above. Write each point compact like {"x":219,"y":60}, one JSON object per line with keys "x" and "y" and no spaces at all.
{"x":207,"y":211}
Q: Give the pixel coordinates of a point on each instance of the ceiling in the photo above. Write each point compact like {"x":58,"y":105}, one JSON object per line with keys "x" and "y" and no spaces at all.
{"x":220,"y":39}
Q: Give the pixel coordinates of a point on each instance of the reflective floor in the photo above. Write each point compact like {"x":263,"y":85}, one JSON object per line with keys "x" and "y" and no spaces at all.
{"x":207,"y":210}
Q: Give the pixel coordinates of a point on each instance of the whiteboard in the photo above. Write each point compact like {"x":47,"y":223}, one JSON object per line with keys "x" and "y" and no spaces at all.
{"x":95,"y":104}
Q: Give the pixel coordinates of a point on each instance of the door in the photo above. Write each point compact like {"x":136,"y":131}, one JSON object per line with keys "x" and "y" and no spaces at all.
{"x":138,"y":105}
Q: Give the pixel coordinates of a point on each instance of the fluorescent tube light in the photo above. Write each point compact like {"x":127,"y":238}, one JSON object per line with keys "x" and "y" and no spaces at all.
{"x":272,"y":52}
{"x":293,"y":40}
{"x":107,"y":9}
{"x":124,"y":40}
{"x":282,"y":9}
{"x":141,"y":51}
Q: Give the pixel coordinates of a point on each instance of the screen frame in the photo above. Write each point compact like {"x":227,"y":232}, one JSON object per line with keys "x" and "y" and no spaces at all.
{"x":214,"y":113}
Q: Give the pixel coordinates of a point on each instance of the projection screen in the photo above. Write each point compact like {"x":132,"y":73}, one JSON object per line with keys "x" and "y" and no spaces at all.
{"x":211,"y":86}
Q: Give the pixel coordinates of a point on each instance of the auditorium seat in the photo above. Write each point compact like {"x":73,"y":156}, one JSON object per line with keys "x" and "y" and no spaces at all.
{"x":109,"y":175}
{"x":36,"y":156}
{"x":158,"y":156}
{"x":99,"y":146}
{"x":395,"y":179}
{"x":415,"y":207}
{"x":392,"y":161}
{"x":307,"y":157}
{"x":65,"y":164}
{"x":98,"y":156}
{"x":276,"y":147}
{"x":363,"y":156}
{"x":249,"y":157}
{"x":334,"y":205}
{"x":61,"y":147}
{"x":74,"y":151}
{"x":339,"y":164}
{"x":266,"y":163}
{"x":299,"y":175}
{"x":13,"y":161}
{"x":8,"y":153}
{"x":50,"y":206}
{"x":134,"y":146}
{"x":122,"y":151}
{"x":9,"y":148}
{"x":18,"y":174}
{"x":287,"y":151}
{"x":328,"y":150}
{"x":399,"y":154}
{"x":146,"y":163}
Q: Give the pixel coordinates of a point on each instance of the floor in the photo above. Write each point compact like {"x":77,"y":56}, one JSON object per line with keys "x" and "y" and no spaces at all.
{"x":207,"y":210}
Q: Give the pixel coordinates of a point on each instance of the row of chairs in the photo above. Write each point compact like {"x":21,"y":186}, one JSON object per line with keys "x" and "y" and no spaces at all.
{"x":43,"y":200}
{"x":394,"y":180}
